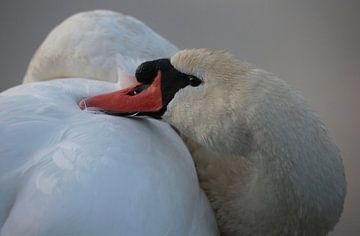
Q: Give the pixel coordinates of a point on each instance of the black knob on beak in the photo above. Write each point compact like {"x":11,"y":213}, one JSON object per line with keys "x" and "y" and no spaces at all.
{"x":146,"y":72}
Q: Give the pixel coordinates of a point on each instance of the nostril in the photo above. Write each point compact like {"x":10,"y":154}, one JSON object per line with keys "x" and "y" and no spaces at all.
{"x":138,"y":89}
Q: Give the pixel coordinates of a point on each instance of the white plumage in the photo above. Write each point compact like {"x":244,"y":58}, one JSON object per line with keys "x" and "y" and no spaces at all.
{"x":64,"y":171}
{"x":97,"y":45}
{"x":264,"y":158}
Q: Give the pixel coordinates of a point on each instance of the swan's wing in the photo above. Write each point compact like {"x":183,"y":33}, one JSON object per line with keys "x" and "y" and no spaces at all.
{"x":96,"y":45}
{"x":69,"y":172}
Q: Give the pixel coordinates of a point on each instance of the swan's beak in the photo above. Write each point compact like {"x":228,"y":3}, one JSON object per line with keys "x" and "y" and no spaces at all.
{"x":138,"y":98}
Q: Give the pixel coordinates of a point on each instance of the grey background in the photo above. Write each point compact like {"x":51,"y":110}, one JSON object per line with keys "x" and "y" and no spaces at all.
{"x":314,"y":45}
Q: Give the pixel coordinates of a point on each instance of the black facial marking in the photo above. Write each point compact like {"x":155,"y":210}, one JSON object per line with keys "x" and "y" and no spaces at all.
{"x":194,"y":81}
{"x":172,"y":81}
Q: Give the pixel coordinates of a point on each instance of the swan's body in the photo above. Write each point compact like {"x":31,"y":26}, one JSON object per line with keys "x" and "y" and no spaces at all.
{"x":263,"y":157}
{"x":67,"y":172}
{"x":97,"y":45}
{"x":64,"y":171}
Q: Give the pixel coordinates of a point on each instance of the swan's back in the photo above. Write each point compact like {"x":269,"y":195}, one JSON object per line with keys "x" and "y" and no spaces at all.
{"x":95,"y":45}
{"x":64,"y":171}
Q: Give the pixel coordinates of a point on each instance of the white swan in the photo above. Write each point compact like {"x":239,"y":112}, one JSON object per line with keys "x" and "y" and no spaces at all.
{"x":263,"y":156}
{"x":64,"y":171}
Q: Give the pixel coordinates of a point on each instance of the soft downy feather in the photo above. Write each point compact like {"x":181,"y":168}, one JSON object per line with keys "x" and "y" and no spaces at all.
{"x":264,"y":158}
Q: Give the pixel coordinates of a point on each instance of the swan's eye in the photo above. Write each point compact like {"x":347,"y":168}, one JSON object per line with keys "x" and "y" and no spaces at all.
{"x":194,"y":81}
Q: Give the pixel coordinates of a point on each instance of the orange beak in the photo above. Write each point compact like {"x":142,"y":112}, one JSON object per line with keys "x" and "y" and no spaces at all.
{"x":138,"y":98}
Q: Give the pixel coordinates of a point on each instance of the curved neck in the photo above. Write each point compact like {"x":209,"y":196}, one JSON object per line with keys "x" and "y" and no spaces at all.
{"x":298,"y":174}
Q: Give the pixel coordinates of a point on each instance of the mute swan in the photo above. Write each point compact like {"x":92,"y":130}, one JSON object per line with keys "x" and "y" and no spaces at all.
{"x":263,"y":157}
{"x":68,"y":172}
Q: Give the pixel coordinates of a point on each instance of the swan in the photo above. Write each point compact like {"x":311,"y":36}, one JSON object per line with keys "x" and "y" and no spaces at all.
{"x":64,"y":171}
{"x":263,"y":157}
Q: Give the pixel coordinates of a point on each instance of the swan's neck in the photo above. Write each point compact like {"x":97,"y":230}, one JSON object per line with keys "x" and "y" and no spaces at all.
{"x":293,"y":152}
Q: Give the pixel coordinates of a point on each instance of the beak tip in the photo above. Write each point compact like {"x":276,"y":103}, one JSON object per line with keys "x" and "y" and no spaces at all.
{"x":82,"y":104}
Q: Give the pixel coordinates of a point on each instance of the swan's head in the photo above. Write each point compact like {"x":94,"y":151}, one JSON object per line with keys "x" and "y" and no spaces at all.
{"x":193,"y":90}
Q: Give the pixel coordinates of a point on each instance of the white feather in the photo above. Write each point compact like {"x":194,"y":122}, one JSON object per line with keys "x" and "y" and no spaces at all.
{"x":64,"y":171}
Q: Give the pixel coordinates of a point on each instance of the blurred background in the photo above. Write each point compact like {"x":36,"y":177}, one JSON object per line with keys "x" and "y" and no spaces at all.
{"x":313,"y":45}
